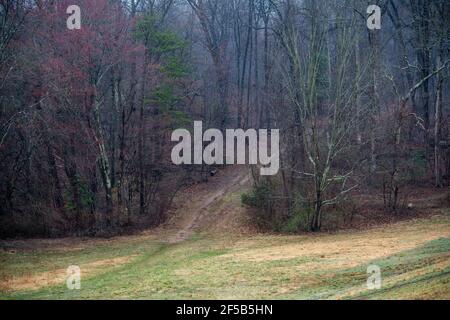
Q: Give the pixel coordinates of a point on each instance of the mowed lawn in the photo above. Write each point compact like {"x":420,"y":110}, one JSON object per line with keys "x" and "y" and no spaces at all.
{"x":414,"y":258}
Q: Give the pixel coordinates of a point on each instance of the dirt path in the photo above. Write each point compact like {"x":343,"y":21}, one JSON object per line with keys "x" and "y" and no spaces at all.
{"x":194,"y":206}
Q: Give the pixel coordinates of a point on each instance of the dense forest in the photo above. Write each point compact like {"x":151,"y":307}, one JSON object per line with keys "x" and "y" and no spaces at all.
{"x":87,"y":112}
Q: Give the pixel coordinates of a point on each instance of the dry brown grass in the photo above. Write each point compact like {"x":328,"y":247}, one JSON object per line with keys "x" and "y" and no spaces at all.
{"x":44,"y":279}
{"x":347,"y":250}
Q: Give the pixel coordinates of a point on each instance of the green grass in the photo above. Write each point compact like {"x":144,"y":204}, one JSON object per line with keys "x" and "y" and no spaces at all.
{"x":207,"y":267}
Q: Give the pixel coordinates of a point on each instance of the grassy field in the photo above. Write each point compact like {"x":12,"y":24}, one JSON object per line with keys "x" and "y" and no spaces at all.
{"x":414,"y":258}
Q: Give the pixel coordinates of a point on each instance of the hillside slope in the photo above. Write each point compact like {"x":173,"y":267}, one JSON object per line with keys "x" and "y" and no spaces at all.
{"x":207,"y":250}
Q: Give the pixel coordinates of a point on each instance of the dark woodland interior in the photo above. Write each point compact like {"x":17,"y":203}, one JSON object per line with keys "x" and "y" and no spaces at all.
{"x":86,"y":115}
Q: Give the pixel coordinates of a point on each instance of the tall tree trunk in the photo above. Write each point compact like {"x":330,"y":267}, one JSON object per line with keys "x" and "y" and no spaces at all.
{"x":437,"y":127}
{"x":125,"y":116}
{"x":250,"y":68}
{"x":358,"y":103}
{"x":257,"y":98}
{"x":266,"y":109}
{"x":374,"y":41}
{"x":141,"y":143}
{"x":104,"y":163}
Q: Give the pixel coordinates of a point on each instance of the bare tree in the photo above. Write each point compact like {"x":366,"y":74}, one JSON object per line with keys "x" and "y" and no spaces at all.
{"x":324,"y":133}
{"x":214,"y":18}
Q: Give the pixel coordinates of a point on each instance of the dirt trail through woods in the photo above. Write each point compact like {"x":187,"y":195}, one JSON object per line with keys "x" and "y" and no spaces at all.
{"x":197,"y":205}
{"x":193,"y":209}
